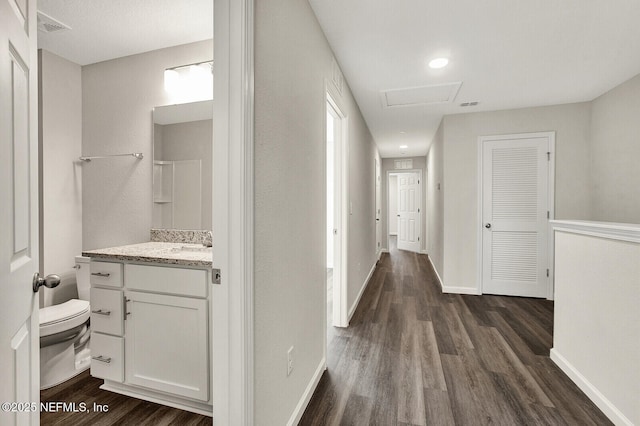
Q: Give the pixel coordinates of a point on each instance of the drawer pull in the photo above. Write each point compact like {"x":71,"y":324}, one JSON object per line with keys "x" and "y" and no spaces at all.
{"x":101,"y":312}
{"x":101,"y":274}
{"x":102,"y":359}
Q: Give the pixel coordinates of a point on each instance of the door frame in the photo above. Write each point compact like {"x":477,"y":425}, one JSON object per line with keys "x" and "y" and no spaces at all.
{"x":341,"y":194}
{"x":232,"y":334}
{"x":551,"y":138}
{"x":377,"y":167}
{"x":421,"y":233}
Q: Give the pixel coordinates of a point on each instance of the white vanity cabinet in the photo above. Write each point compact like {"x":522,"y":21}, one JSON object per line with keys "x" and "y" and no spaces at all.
{"x":150,"y":335}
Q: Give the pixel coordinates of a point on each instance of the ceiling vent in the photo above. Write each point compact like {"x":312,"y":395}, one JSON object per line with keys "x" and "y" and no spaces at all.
{"x":425,"y":95}
{"x":47,"y":24}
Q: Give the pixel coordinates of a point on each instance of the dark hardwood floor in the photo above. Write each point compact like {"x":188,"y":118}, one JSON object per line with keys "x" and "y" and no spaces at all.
{"x":122,"y":409}
{"x":415,"y":356}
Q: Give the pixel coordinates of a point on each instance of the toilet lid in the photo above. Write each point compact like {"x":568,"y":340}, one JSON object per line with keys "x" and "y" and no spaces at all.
{"x":63,"y":312}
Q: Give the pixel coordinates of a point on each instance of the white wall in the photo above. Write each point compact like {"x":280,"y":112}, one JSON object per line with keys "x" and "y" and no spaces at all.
{"x":615,"y":154}
{"x":596,"y":334}
{"x":292,"y":62}
{"x":388,"y":165}
{"x":460,"y":172}
{"x":117,"y":99}
{"x":60,"y":104}
{"x":393,"y":204}
{"x":435,"y":202}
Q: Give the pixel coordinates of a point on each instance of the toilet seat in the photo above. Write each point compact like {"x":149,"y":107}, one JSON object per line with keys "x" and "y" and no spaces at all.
{"x":62,"y":317}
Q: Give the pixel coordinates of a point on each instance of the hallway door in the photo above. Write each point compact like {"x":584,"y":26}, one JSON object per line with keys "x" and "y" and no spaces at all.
{"x":378,"y":212}
{"x":409,"y":211}
{"x":19,"y":252}
{"x":515,"y":211}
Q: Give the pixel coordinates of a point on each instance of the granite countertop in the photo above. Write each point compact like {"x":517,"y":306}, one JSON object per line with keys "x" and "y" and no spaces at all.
{"x":171,"y":253}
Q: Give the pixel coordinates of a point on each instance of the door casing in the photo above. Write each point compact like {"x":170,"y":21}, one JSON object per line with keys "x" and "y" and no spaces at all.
{"x":341,"y":209}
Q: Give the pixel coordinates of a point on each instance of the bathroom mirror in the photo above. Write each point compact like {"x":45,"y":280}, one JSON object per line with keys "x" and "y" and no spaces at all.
{"x":182,"y":157}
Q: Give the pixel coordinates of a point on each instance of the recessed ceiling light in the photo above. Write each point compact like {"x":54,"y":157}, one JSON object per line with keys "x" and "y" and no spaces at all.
{"x":402,"y":133}
{"x":438,"y":63}
{"x":404,"y":146}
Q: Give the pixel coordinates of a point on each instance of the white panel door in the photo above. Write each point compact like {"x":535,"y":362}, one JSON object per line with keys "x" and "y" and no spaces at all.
{"x":378,"y":211}
{"x":515,"y":181}
{"x":19,"y":328}
{"x":409,"y":211}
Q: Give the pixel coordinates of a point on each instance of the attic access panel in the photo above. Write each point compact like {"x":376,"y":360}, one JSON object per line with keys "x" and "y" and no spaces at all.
{"x":424,"y":95}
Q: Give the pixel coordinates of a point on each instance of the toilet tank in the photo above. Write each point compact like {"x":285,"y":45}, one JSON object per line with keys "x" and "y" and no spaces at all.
{"x":83,"y":275}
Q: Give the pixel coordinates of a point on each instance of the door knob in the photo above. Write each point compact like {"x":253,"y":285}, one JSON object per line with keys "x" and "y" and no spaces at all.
{"x":50,"y":281}
{"x":488,"y":226}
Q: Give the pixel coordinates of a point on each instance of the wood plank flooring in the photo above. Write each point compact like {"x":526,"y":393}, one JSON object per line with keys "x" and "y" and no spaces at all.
{"x":123,"y":410}
{"x":415,"y":356}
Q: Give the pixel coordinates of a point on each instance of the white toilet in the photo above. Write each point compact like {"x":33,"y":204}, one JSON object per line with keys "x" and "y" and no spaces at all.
{"x":64,"y":333}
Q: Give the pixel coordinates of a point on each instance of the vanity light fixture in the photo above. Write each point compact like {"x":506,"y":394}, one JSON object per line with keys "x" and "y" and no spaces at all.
{"x":438,"y":63}
{"x":192,"y":82}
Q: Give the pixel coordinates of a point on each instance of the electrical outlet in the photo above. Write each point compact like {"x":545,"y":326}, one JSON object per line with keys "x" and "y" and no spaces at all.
{"x":289,"y":360}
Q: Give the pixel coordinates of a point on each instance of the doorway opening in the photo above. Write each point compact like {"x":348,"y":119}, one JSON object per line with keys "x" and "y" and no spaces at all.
{"x":336,"y":217}
{"x":404,"y":198}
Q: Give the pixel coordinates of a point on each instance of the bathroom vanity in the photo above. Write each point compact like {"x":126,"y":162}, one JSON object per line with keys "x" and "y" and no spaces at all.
{"x":151,"y":322}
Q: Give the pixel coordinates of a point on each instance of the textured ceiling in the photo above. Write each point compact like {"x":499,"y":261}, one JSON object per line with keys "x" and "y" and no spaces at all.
{"x":108,"y":29}
{"x":507,"y":54}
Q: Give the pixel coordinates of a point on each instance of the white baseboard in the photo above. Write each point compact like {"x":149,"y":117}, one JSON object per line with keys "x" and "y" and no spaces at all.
{"x":394,"y":234}
{"x":353,"y":308}
{"x":384,"y":250}
{"x":453,"y":290}
{"x":308,"y":393}
{"x":460,"y":290}
{"x":423,"y":252}
{"x":590,"y":390}
{"x":436,"y":271}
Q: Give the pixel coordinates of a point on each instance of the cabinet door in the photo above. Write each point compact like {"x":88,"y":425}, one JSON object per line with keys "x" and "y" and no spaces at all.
{"x":166,"y":344}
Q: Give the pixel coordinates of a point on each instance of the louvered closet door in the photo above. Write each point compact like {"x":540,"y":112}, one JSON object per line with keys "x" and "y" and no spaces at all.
{"x":515,"y":194}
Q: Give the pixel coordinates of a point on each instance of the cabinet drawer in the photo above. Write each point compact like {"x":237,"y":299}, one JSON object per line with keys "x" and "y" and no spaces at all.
{"x":106,"y":274}
{"x":107,"y":357}
{"x":106,"y":311}
{"x":159,"y":279}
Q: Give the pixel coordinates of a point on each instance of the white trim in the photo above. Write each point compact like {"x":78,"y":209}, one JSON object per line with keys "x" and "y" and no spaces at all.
{"x":232,"y":301}
{"x":340,"y":316}
{"x":551,"y":137}
{"x":437,"y":274}
{"x":308,"y":393}
{"x":614,"y":231}
{"x":391,"y":234}
{"x":354,"y":306}
{"x":607,"y":407}
{"x":461,"y":290}
{"x":384,"y":250}
{"x":157,"y":397}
